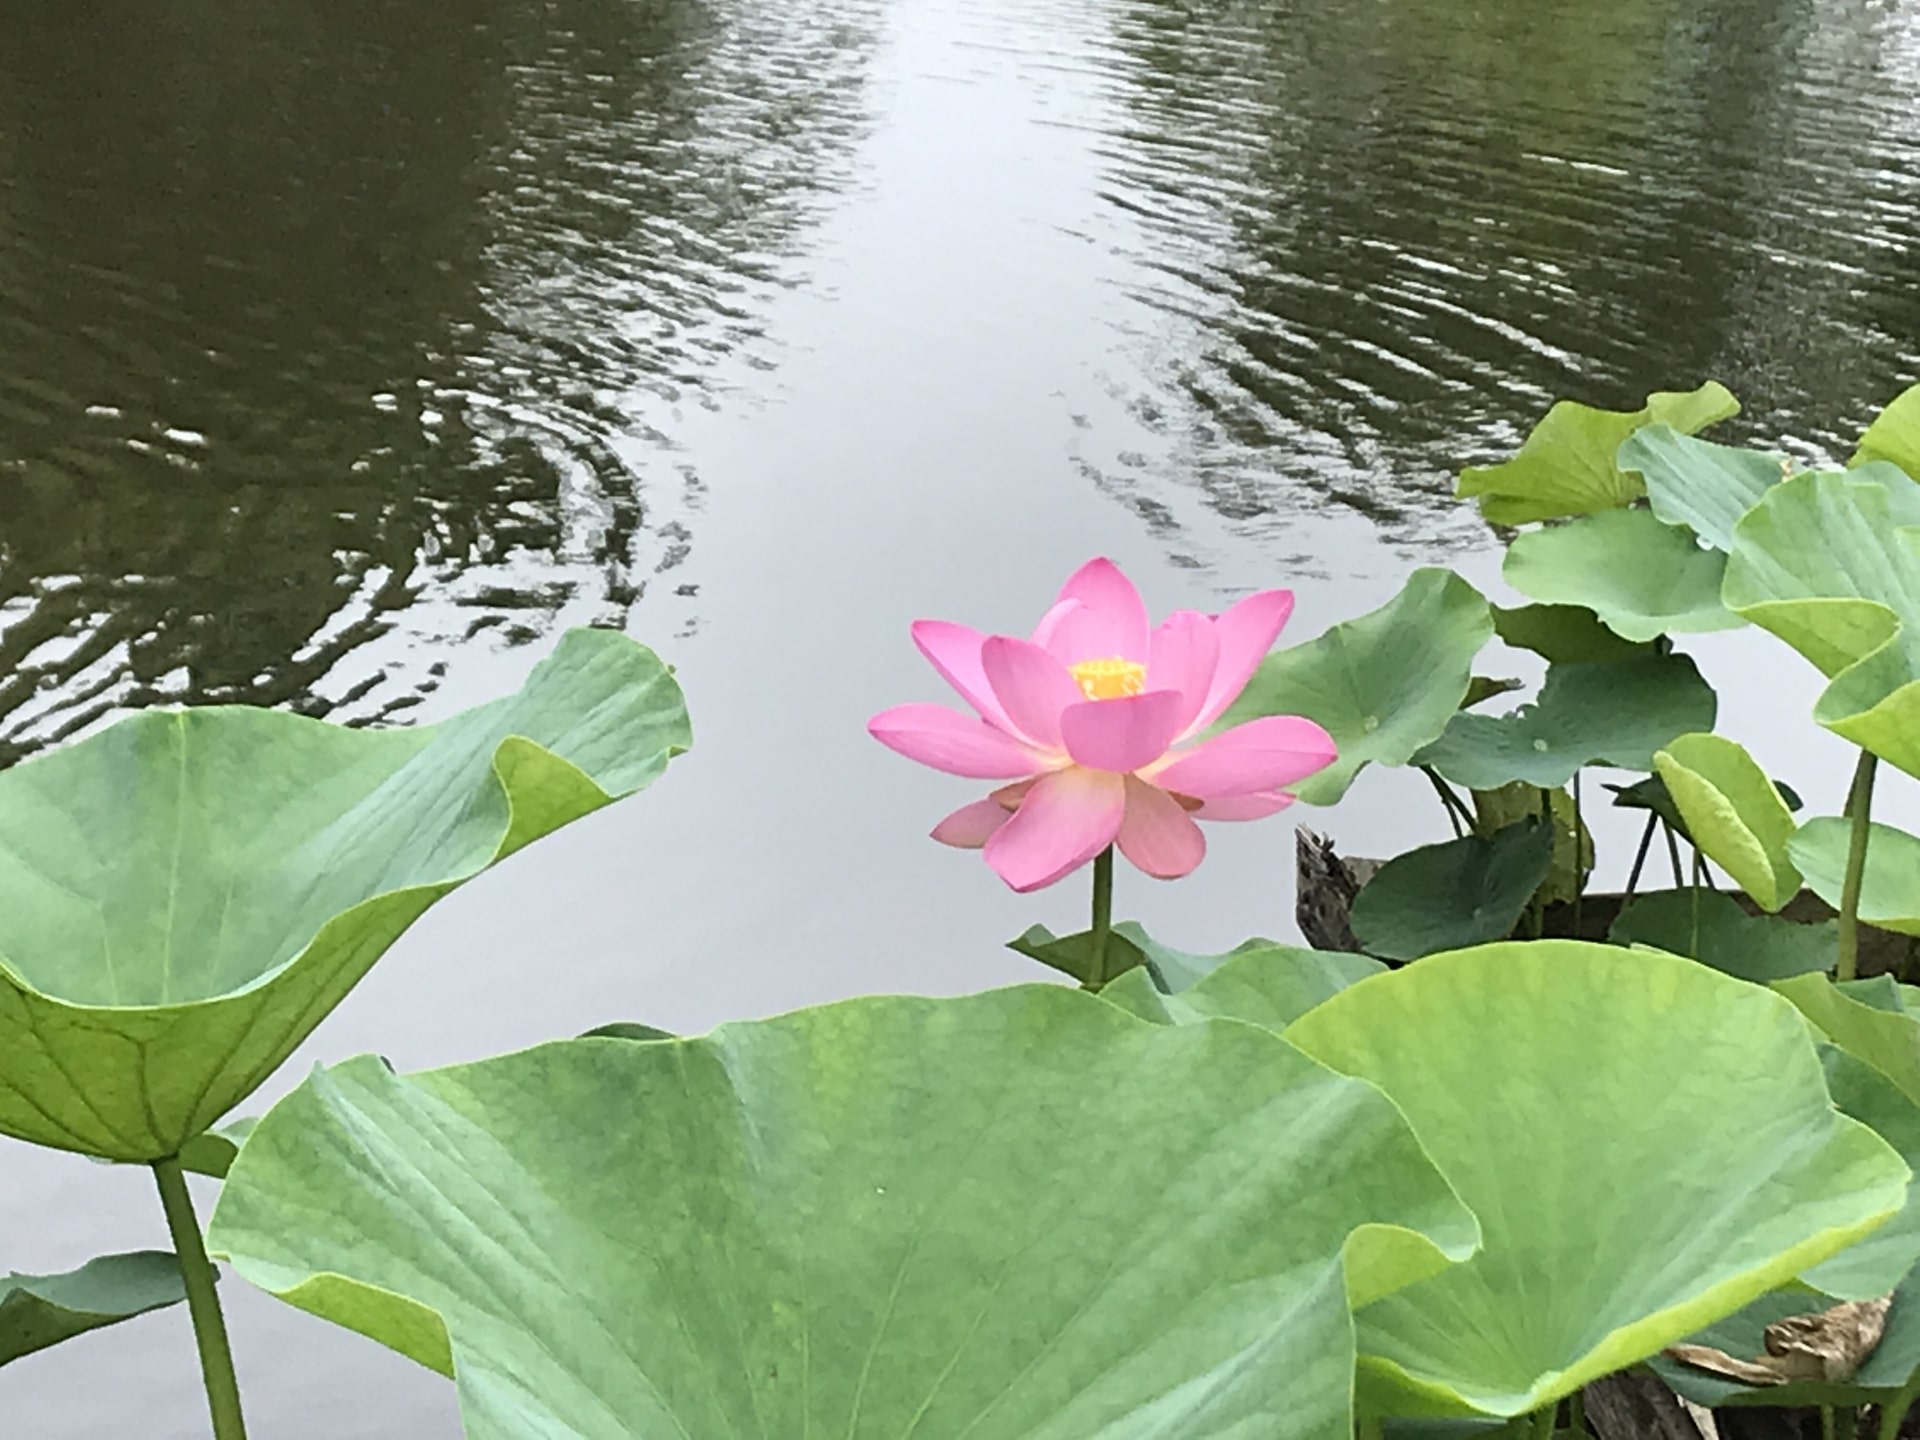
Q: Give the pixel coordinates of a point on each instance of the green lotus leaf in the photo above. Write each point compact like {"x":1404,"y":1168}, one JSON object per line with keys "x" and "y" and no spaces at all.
{"x":211,"y":1152}
{"x":1457,"y":893}
{"x":1883,"y":1261}
{"x":1865,"y":1019}
{"x":184,"y":896}
{"x":1383,"y":684}
{"x":1566,"y":466}
{"x":1733,"y":813}
{"x":1528,"y":1069}
{"x":1563,"y":634}
{"x":1482,"y":688}
{"x":1019,"y":1213}
{"x":41,"y":1310}
{"x":1890,"y":884}
{"x":1713,"y":929}
{"x":628,"y":1030}
{"x":1072,"y":955}
{"x":1830,"y":563}
{"x":1894,"y":436}
{"x":1270,"y":985}
{"x":1698,"y":484}
{"x":1494,"y":810}
{"x":1617,"y":714}
{"x":1642,"y":578}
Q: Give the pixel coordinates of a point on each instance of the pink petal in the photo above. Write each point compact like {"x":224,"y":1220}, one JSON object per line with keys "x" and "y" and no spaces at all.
{"x":1110,"y":623}
{"x":1031,"y":686}
{"x":1262,"y":754}
{"x":958,"y":744}
{"x":1246,"y":633}
{"x":1244,"y":807}
{"x":1050,"y":622}
{"x":1067,"y":818}
{"x":1182,"y":655}
{"x":1158,"y":835}
{"x":954,"y":650}
{"x":1124,"y":734}
{"x":971,"y":826}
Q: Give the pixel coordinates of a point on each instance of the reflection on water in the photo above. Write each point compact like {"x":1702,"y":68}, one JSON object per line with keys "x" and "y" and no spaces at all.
{"x":318,"y":323}
{"x":1378,"y":238}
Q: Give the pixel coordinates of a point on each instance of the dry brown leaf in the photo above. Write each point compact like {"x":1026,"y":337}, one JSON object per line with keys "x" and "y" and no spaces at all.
{"x":1831,"y":1345}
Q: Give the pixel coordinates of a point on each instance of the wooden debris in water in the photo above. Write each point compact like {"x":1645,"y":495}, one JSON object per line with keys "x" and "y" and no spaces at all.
{"x":1831,"y":1346}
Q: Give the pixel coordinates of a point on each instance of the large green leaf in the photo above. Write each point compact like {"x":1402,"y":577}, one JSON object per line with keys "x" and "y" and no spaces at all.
{"x":1649,"y":1145}
{"x":1268,"y":984}
{"x":1383,"y":684}
{"x":1881,"y":1262}
{"x":1855,"y":1015}
{"x":41,"y":1310}
{"x":186,"y":895}
{"x":1698,"y":484}
{"x":1023,"y":1213}
{"x":1714,"y":930}
{"x":1566,"y":466}
{"x":1457,"y":893}
{"x":1830,"y":562}
{"x":1641,"y":577}
{"x":1733,"y":814}
{"x":1890,"y":883}
{"x":1617,"y":714}
{"x":1894,"y":436}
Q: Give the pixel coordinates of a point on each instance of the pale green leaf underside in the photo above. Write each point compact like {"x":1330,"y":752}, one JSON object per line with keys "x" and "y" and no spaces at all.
{"x":1528,"y":1070}
{"x":1698,"y":484}
{"x":1383,"y":684}
{"x":1020,"y":1214}
{"x":1615,"y":714}
{"x":1642,"y":578}
{"x":1733,"y":813}
{"x":1566,"y":466}
{"x":1830,"y":563}
{"x":37,"y":1311}
{"x":186,"y":895}
{"x":1890,"y":883}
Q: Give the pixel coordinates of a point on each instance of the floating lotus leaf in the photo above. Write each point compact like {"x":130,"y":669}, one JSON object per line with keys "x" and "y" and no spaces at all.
{"x":1564,"y":634}
{"x":1642,"y":578}
{"x":41,"y":1310}
{"x":1830,"y":562}
{"x":1457,"y":893}
{"x":1022,"y":1213}
{"x":1733,"y":813}
{"x":1566,"y":466}
{"x":1617,"y":714}
{"x":184,"y":896}
{"x":1383,"y":684}
{"x":1268,"y":984}
{"x":1894,"y":436}
{"x":1890,"y":884}
{"x":1714,"y":930}
{"x":1529,"y":1069}
{"x":1698,"y":484}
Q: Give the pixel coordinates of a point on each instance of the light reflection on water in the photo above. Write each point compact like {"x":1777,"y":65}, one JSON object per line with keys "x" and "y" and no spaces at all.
{"x":339,"y":372}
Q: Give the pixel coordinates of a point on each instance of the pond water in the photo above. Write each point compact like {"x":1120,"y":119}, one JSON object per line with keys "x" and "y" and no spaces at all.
{"x":349,"y":352}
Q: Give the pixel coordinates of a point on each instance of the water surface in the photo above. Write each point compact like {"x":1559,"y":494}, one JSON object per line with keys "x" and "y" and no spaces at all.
{"x":349,"y":352}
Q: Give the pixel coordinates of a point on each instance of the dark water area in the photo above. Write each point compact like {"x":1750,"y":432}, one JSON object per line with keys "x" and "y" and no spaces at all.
{"x":349,"y":352}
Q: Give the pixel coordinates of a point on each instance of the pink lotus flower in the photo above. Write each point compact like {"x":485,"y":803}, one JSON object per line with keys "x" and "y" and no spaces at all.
{"x":1092,"y":720}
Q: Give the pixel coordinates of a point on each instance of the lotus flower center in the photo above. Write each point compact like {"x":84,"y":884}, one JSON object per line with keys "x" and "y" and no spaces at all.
{"x":1111,"y":679}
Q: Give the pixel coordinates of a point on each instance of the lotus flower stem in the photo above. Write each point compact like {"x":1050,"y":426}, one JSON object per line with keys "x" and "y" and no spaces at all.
{"x":1102,"y":917}
{"x":209,"y":1325}
{"x":1860,"y":811}
{"x":1640,"y":859}
{"x":1543,"y":1420}
{"x":1457,"y":813}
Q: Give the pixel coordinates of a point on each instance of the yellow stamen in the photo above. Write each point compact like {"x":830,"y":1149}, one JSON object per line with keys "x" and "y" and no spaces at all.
{"x":1109,"y":679}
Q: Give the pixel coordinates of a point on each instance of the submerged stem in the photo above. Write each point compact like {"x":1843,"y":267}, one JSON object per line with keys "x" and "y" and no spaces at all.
{"x":1102,"y":918}
{"x":203,"y":1304}
{"x":1860,"y":811}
